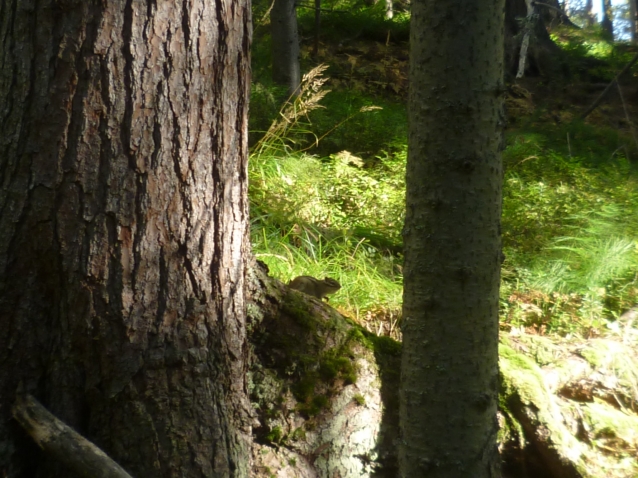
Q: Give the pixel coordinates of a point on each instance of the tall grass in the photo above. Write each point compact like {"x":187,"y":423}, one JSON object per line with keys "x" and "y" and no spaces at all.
{"x":308,"y":213}
{"x":570,"y":229}
{"x":592,"y":256}
{"x":570,"y":219}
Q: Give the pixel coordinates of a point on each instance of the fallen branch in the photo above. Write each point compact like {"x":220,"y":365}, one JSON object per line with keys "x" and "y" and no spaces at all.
{"x":62,"y":442}
{"x":606,"y":90}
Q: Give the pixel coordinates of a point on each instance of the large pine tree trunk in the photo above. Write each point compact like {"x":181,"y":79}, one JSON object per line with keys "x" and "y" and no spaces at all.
{"x":452,"y":241}
{"x":123,"y":230}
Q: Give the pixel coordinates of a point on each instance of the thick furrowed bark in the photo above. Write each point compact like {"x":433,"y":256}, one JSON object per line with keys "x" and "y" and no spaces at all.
{"x":123,"y":218}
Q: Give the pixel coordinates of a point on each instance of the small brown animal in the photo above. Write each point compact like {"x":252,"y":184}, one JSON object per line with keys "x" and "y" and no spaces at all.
{"x":315,"y":287}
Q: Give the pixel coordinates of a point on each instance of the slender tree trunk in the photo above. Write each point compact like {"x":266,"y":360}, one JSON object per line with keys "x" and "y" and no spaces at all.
{"x":589,"y":12}
{"x":527,"y":31}
{"x":452,"y":241}
{"x":633,"y":20}
{"x":315,"y":50}
{"x":123,"y":230}
{"x":285,"y":45}
{"x":607,"y":22}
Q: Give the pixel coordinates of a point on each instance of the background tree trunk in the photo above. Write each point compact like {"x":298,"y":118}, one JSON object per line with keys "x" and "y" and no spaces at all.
{"x":607,"y":23}
{"x":285,"y":45}
{"x":315,"y":48}
{"x":544,"y":57}
{"x":589,"y":10}
{"x":123,"y":230}
{"x":633,"y":20}
{"x":452,"y":241}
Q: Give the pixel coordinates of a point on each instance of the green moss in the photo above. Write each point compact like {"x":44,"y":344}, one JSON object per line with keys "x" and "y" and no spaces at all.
{"x":304,"y":389}
{"x":298,"y":434}
{"x":356,"y":333}
{"x":320,"y":401}
{"x":510,"y":429}
{"x":386,"y":345}
{"x":254,"y":313}
{"x":522,"y":375}
{"x":359,"y":399}
{"x":379,"y":345}
{"x":290,"y":349}
{"x":275,"y":435}
{"x":613,"y":428}
{"x":314,"y":406}
{"x":292,"y":462}
{"x":522,"y":380}
{"x":295,"y":306}
{"x":351,"y":377}
{"x":271,"y":412}
{"x":598,"y":356}
{"x":333,"y":366}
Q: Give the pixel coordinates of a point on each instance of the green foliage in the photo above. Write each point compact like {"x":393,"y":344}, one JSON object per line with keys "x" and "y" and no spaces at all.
{"x":570,"y":209}
{"x":590,"y":56}
{"x":342,"y":21}
{"x":569,"y":234}
{"x":588,"y":41}
{"x":304,"y":122}
{"x":292,"y":126}
{"x":596,"y":253}
{"x":371,"y":134}
{"x":265,"y":103}
{"x":312,"y":217}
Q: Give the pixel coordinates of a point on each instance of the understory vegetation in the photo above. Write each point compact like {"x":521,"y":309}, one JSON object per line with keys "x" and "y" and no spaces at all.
{"x":327,"y":181}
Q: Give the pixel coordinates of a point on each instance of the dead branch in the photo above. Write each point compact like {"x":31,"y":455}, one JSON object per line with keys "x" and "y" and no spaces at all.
{"x":598,"y":100}
{"x":62,"y":442}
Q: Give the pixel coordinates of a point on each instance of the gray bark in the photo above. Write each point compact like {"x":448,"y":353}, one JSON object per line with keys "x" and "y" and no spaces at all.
{"x":285,"y":45}
{"x":452,"y":241}
{"x":123,"y":230}
{"x":325,"y":392}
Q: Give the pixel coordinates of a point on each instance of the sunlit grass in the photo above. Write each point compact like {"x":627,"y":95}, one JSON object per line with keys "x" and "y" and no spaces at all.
{"x":570,"y":216}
